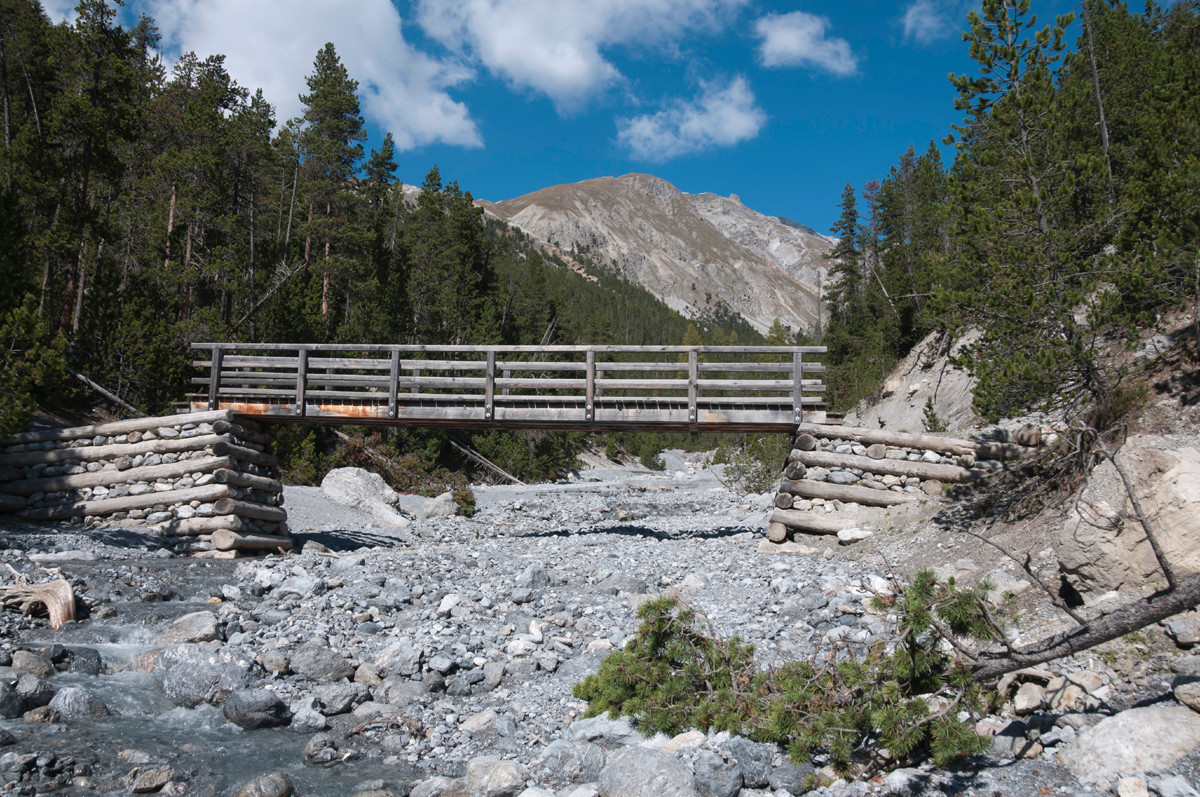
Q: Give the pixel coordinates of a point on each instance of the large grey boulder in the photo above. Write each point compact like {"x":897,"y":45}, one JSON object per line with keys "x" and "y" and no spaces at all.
{"x":1103,"y":547}
{"x":200,"y":626}
{"x":256,"y":708}
{"x":493,"y":777}
{"x":753,"y":759}
{"x":573,"y":762}
{"x":11,"y":705}
{"x":363,"y":490}
{"x":191,"y":674}
{"x":641,"y":772}
{"x":320,"y":664}
{"x":73,"y":702}
{"x":1138,"y":740}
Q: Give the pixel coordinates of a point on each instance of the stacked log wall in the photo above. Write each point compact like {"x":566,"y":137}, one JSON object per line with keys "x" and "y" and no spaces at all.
{"x":183,"y":475}
{"x":840,"y":464}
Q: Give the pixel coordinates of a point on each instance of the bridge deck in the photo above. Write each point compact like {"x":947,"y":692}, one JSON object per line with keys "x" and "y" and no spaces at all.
{"x":700,"y":388}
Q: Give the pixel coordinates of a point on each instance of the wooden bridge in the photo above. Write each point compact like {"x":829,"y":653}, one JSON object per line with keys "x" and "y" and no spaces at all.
{"x":582,"y":388}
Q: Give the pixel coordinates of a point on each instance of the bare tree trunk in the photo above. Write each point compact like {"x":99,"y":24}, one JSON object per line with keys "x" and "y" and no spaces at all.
{"x":1124,"y":620}
{"x":1091,"y":46}
{"x":170,"y":226}
{"x":308,"y":235}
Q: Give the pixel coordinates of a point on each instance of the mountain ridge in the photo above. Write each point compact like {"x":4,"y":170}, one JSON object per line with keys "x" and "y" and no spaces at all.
{"x":694,"y":251}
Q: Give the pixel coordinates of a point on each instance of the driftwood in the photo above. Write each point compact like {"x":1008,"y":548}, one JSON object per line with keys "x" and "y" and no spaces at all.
{"x":808,"y":522}
{"x":107,"y":506}
{"x":888,"y":467}
{"x":224,"y":540}
{"x":105,"y":478}
{"x":850,"y":493}
{"x":56,"y":596}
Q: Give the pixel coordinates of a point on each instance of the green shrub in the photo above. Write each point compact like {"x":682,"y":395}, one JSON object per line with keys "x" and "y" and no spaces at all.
{"x":676,"y":675}
{"x":753,"y":464}
{"x":32,"y":366}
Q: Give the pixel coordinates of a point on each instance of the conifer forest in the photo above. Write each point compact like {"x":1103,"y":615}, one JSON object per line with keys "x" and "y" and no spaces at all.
{"x":144,"y":207}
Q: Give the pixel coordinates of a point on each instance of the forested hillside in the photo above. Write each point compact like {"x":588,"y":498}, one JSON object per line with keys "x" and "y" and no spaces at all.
{"x":143,"y":208}
{"x":1068,"y":220}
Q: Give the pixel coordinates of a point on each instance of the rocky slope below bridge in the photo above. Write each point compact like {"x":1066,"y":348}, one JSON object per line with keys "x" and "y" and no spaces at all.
{"x":694,"y":251}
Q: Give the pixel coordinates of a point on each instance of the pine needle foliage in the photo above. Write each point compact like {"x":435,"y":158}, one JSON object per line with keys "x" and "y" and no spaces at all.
{"x":676,"y":674}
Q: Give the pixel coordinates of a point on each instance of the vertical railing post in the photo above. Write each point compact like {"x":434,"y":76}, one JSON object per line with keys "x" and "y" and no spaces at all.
{"x":214,"y":377}
{"x":301,"y":380}
{"x":798,"y":387}
{"x":507,"y":375}
{"x":489,"y":387}
{"x":693,"y":386}
{"x":590,"y":390}
{"x":393,"y":378}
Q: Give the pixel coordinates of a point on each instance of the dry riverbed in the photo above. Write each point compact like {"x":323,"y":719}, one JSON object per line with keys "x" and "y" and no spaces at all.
{"x":437,"y":658}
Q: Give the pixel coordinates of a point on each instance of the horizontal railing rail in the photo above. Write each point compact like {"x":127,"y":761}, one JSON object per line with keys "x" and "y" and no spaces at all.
{"x":516,"y":386}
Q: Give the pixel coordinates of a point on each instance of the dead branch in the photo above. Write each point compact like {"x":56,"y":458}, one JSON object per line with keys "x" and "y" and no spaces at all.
{"x":56,"y":596}
{"x":1126,"y":619}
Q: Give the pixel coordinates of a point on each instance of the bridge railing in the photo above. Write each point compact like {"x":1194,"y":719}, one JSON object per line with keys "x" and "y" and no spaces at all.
{"x":519,"y":386}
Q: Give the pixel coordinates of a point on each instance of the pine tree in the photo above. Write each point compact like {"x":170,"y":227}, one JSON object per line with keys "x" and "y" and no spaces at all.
{"x":331,"y":147}
{"x":845,"y":273}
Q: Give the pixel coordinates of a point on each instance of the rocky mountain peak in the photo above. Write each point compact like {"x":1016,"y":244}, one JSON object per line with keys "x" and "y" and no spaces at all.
{"x":694,"y":251}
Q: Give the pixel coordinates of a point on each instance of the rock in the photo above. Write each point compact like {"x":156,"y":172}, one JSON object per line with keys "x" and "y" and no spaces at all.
{"x":806,"y":442}
{"x":1062,"y":695}
{"x":191,"y":674}
{"x":1100,"y":551}
{"x":73,"y":702}
{"x":1132,"y":787}
{"x":753,"y":759}
{"x":842,"y":477}
{"x":440,"y":506}
{"x":792,"y":778}
{"x":574,"y":762}
{"x":438,"y":786}
{"x":1189,"y":695}
{"x":307,"y":720}
{"x":877,"y":451}
{"x":1029,"y":699}
{"x":1185,"y":629}
{"x":480,"y":721}
{"x":1136,"y":740}
{"x":11,"y":704}
{"x":641,"y":772}
{"x":84,"y":660}
{"x":338,"y":698}
{"x":1175,"y":786}
{"x":931,"y":487}
{"x":533,"y":577}
{"x":400,"y":658}
{"x":360,"y":489}
{"x":492,"y":777}
{"x":32,"y":690}
{"x":256,"y":708}
{"x":321,"y":664}
{"x":195,"y":627}
{"x":272,"y":784}
{"x":152,"y":780}
{"x":715,"y":776}
{"x":603,"y":730}
{"x":853,"y":535}
{"x":687,"y":739}
{"x":28,"y":661}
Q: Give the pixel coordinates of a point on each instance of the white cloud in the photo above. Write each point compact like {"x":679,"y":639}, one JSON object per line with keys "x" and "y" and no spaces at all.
{"x":925,"y":21}
{"x":721,"y":116}
{"x":60,"y":10}
{"x":556,"y":47}
{"x":799,"y":39}
{"x":272,"y":43}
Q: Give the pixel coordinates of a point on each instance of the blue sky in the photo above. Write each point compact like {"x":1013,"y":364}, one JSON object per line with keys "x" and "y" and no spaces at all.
{"x":779,"y":103}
